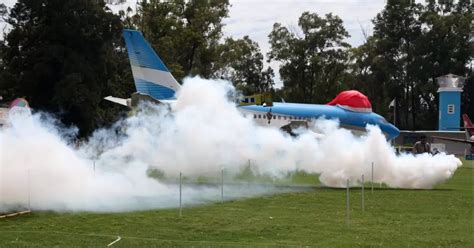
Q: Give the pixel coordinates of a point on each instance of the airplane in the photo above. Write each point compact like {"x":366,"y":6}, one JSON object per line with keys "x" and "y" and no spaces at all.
{"x":469,"y":127}
{"x":154,"y":82}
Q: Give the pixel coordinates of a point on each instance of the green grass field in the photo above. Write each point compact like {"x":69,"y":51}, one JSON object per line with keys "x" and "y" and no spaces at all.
{"x":442,"y":217}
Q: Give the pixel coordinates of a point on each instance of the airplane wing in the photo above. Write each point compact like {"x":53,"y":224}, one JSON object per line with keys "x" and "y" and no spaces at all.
{"x":121,"y":101}
{"x":455,"y":140}
{"x":293,"y":125}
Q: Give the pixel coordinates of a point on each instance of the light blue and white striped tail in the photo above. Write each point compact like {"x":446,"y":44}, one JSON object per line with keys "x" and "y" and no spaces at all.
{"x":149,"y":73}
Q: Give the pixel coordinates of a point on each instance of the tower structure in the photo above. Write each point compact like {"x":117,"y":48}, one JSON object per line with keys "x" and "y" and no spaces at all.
{"x":450,"y":89}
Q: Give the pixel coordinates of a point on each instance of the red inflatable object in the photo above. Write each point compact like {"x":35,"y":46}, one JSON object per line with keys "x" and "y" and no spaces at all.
{"x":352,"y":100}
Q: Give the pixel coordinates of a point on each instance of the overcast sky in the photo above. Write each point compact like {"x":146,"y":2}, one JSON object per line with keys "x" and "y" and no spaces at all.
{"x":256,"y":17}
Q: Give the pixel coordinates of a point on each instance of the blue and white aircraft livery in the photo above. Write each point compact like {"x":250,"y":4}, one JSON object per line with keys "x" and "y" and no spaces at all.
{"x":152,"y":78}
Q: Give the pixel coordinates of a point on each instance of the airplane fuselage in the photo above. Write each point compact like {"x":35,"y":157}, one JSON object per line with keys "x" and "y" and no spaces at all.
{"x":282,"y":114}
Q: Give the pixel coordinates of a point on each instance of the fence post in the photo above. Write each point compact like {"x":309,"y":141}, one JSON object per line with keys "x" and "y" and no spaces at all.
{"x":1,"y":188}
{"x":180,"y":195}
{"x":347,"y":203}
{"x":363,"y":196}
{"x":248,"y":179}
{"x":222,"y":185}
{"x":28,"y":187}
{"x":372,"y":180}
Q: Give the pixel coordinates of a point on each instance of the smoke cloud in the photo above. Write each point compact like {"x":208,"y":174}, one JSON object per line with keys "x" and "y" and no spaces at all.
{"x":199,"y":135}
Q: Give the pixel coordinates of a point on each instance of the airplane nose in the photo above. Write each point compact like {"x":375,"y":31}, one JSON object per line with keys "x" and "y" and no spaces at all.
{"x":391,"y":131}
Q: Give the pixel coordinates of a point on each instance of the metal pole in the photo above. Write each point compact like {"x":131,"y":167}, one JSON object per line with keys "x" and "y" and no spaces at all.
{"x":222,"y":185}
{"x":372,"y":180}
{"x":347,"y":203}
{"x":1,"y":188}
{"x":29,"y":194}
{"x":180,"y":195}
{"x":395,"y":112}
{"x":363,"y":196}
{"x":248,"y":179}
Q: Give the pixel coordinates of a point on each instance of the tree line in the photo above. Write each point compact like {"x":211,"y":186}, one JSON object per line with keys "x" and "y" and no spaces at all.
{"x":65,"y":56}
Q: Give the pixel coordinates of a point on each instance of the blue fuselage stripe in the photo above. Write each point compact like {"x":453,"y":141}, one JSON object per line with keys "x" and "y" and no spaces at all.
{"x":157,"y":91}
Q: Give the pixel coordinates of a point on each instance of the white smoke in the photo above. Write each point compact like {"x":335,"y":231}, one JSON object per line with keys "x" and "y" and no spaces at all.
{"x":199,"y":135}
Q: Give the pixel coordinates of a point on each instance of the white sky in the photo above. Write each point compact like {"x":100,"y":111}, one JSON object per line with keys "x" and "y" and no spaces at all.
{"x":256,"y":17}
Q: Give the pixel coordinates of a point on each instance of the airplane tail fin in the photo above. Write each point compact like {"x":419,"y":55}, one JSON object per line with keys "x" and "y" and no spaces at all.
{"x":150,"y":74}
{"x":468,"y":125}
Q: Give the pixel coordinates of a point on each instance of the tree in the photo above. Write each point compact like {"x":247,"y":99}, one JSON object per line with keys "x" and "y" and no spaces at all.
{"x":368,"y":77}
{"x":187,"y":34}
{"x":184,"y":33}
{"x":396,"y":30}
{"x":64,"y":56}
{"x":313,"y":66}
{"x":447,"y":44}
{"x":242,"y":63}
{"x":411,"y":46}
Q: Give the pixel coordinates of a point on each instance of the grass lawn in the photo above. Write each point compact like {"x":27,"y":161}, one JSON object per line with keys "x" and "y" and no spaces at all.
{"x":442,"y":217}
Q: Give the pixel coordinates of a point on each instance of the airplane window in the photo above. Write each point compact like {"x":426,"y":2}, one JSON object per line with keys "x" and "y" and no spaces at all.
{"x":284,"y":117}
{"x":279,"y":117}
{"x":259,"y":116}
{"x":255,"y":116}
{"x":274,"y":117}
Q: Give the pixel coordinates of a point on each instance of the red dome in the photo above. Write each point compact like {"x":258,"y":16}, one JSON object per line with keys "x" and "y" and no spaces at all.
{"x":352,"y":100}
